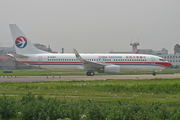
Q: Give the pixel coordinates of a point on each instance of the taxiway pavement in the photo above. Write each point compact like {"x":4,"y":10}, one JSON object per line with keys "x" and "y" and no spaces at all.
{"x":82,"y":77}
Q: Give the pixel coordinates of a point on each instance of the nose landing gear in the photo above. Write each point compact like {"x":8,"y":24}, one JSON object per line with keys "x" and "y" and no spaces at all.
{"x":154,"y":74}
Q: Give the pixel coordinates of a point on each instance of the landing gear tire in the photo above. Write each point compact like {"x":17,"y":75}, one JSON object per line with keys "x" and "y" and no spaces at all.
{"x":154,"y":74}
{"x":90,"y":73}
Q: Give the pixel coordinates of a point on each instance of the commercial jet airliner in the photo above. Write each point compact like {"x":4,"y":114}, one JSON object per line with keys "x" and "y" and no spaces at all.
{"x":27,"y":53}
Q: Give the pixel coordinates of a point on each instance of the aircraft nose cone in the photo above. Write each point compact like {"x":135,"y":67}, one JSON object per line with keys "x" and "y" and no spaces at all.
{"x":169,"y":64}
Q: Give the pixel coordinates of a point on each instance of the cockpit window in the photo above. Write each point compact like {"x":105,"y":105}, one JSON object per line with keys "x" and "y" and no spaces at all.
{"x":162,"y":60}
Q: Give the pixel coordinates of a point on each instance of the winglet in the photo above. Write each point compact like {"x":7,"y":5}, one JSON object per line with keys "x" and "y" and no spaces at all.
{"x":78,"y":56}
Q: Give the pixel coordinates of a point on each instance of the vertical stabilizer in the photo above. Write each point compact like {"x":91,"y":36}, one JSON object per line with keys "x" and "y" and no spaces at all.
{"x":22,"y":44}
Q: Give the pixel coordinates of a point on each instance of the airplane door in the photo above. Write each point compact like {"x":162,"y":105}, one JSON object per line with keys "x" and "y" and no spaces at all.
{"x":152,"y":60}
{"x":39,"y":59}
{"x":102,"y":60}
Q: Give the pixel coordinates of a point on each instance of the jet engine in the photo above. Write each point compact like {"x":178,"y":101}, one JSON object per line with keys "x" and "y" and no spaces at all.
{"x":110,"y":69}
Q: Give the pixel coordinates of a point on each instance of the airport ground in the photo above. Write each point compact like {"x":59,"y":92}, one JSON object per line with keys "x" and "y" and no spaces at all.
{"x":71,"y":73}
{"x":83,"y":77}
{"x":136,"y":90}
{"x":141,"y":92}
{"x":54,"y":75}
{"x":89,"y":87}
{"x":19,"y":78}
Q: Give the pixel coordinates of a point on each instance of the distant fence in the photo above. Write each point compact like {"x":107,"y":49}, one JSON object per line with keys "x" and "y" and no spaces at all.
{"x":7,"y":67}
{"x":28,"y":68}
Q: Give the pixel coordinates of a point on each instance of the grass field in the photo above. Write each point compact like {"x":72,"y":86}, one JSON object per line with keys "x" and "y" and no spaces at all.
{"x":98,"y":99}
{"x":57,"y":73}
{"x":153,"y":90}
{"x":140,"y":91}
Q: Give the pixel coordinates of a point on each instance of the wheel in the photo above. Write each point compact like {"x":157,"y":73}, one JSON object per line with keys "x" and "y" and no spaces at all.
{"x":90,"y":73}
{"x":154,"y":74}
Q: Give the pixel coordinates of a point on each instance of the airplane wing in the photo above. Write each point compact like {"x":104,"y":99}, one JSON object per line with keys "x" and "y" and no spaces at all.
{"x":88,"y":64}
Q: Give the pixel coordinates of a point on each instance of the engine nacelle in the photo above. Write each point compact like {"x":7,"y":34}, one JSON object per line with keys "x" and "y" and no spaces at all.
{"x":112,"y":69}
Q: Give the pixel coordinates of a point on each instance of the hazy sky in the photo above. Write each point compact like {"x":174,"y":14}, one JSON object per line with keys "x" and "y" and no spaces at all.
{"x":93,"y":25}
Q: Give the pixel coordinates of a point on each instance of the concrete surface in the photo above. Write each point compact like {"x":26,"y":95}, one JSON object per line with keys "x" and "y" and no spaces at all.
{"x":83,"y":77}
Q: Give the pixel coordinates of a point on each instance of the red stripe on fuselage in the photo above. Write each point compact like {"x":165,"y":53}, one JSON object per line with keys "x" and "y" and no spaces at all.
{"x":164,"y":64}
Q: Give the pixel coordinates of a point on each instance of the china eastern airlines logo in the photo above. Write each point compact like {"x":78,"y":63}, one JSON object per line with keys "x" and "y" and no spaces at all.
{"x":21,"y":42}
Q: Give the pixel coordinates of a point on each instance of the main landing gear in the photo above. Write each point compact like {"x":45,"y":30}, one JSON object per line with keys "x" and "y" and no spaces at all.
{"x":90,"y":73}
{"x":154,"y":74}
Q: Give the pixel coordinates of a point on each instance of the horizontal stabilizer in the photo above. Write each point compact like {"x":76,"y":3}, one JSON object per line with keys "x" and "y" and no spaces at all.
{"x":17,"y":55}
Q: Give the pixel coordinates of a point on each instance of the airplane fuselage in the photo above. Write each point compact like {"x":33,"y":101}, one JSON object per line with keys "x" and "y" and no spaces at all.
{"x":69,"y":61}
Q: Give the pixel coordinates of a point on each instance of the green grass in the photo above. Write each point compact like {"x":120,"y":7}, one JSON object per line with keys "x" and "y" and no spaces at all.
{"x":31,"y":107}
{"x":64,"y":73}
{"x":140,"y":91}
{"x":100,"y":99}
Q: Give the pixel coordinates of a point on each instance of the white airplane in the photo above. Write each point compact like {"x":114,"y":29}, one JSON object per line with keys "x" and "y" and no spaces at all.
{"x":27,"y":53}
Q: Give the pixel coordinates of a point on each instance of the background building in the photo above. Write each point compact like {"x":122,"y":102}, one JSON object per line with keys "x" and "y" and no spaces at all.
{"x":135,"y":50}
{"x":176,"y":49}
{"x":174,"y":59}
{"x":6,"y":63}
